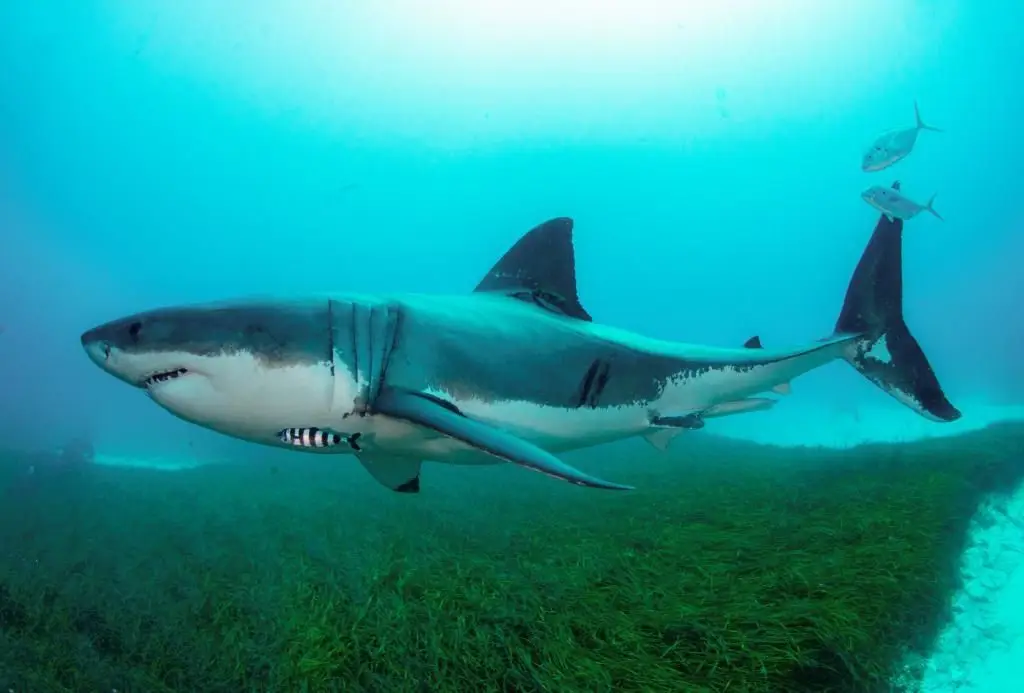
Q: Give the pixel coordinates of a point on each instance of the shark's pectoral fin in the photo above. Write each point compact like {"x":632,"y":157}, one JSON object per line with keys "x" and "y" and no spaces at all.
{"x":446,"y":419}
{"x":401,"y":474}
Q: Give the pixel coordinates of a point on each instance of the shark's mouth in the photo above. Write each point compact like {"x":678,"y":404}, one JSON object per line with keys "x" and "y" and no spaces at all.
{"x":163,"y":377}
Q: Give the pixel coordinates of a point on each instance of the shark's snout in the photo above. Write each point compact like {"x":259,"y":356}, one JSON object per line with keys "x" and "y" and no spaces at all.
{"x":102,"y":347}
{"x":96,"y":347}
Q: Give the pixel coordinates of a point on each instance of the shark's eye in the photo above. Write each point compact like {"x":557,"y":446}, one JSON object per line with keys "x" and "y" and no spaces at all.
{"x":133,"y":330}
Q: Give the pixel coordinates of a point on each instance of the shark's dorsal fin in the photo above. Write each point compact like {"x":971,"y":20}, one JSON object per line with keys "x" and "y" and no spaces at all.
{"x":540,"y":269}
{"x":753,"y":343}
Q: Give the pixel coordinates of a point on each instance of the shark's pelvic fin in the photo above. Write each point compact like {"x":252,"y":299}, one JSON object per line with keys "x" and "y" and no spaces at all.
{"x":740,"y":406}
{"x":887,"y":353}
{"x":446,"y":419}
{"x":780,"y":389}
{"x":401,"y":474}
{"x":540,"y":269}
{"x":661,"y":438}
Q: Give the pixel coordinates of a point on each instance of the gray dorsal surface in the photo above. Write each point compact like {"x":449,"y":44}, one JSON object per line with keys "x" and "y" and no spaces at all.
{"x":510,"y":351}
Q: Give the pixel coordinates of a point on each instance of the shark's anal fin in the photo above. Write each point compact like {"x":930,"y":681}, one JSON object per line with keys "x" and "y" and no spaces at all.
{"x":401,"y":474}
{"x":780,"y":389}
{"x":446,"y":419}
{"x":540,"y":269}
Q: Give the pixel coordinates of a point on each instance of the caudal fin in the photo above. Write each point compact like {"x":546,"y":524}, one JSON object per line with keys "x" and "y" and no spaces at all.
{"x":921,"y":125}
{"x":931,"y":208}
{"x":886,"y":353}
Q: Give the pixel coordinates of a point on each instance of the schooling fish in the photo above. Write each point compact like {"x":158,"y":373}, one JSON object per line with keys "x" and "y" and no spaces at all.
{"x":894,"y":145}
{"x":894,"y":205}
{"x":316,"y":438}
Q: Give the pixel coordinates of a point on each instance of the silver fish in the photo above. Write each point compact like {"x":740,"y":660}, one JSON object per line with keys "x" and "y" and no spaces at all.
{"x":894,"y":205}
{"x":893,"y":146}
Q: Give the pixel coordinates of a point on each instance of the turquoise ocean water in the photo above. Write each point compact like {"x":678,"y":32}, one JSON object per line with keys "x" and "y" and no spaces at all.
{"x":175,"y":152}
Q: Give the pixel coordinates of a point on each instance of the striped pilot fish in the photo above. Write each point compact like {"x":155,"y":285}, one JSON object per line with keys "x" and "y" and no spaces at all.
{"x":317,"y":438}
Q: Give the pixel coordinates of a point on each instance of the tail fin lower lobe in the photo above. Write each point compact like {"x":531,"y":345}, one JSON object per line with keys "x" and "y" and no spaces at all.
{"x":887,"y":353}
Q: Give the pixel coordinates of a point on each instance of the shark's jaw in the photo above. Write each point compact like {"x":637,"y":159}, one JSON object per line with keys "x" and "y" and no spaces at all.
{"x":145,"y":371}
{"x":163,"y":376}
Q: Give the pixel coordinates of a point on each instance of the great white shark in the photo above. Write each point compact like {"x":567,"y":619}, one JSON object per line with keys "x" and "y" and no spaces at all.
{"x":515,"y":371}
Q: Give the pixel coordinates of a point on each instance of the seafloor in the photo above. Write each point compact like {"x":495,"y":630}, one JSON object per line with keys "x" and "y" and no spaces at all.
{"x":734,"y":567}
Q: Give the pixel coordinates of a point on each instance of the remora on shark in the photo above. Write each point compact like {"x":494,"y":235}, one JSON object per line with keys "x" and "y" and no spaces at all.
{"x":513,"y":372}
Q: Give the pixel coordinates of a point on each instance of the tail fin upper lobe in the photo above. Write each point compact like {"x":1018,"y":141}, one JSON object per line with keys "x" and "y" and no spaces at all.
{"x":921,"y":125}
{"x":887,"y":354}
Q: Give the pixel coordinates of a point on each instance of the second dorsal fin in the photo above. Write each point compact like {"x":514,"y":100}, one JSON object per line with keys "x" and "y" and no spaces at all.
{"x":540,"y":269}
{"x":755,"y":343}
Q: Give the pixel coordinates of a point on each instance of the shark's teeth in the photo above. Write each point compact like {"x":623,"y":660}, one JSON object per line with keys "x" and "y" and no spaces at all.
{"x":164,"y":376}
